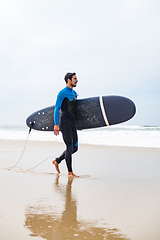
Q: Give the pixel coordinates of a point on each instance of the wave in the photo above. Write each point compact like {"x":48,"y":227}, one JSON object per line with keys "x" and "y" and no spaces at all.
{"x":122,"y":135}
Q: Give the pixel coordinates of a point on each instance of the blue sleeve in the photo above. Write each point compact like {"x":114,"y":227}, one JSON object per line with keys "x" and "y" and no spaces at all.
{"x":60,"y":98}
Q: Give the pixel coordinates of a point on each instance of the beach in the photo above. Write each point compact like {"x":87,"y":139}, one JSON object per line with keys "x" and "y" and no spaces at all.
{"x":116,"y":196}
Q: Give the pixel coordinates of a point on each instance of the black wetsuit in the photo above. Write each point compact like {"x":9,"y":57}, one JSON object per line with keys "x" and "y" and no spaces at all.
{"x":66,"y":101}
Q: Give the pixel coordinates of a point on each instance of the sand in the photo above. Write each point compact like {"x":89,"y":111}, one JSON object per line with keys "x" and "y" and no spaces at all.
{"x":116,"y":197}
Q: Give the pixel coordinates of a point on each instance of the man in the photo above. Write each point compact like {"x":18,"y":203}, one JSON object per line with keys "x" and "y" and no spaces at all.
{"x":66,"y":101}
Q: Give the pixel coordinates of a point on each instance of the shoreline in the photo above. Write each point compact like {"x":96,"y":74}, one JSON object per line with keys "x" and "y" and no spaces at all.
{"x":117,"y":195}
{"x":52,"y":143}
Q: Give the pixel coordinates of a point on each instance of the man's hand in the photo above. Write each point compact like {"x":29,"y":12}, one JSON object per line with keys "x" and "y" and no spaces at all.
{"x":56,"y":130}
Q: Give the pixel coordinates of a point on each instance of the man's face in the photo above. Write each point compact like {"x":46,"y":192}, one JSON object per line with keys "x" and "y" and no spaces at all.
{"x":74,"y":81}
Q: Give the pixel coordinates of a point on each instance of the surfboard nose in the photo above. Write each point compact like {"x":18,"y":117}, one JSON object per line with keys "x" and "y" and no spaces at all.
{"x":118,"y":109}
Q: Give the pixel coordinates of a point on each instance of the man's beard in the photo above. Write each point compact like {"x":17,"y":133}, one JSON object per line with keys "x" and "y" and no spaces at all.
{"x":73,"y":85}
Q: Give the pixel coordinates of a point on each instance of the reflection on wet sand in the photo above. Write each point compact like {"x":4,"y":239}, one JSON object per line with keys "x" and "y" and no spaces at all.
{"x":65,"y":226}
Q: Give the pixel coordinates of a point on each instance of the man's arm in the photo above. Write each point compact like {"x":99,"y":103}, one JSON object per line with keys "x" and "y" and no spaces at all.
{"x":58,"y":104}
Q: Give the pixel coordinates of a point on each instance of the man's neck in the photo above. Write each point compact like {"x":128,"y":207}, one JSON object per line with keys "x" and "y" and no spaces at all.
{"x":68,"y":85}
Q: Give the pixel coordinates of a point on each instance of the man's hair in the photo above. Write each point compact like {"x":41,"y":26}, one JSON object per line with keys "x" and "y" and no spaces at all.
{"x":68,"y":76}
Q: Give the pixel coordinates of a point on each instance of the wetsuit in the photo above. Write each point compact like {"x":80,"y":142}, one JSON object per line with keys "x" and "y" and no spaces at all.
{"x":66,"y":101}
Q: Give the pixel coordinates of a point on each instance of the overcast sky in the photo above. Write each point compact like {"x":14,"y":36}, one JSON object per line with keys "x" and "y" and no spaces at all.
{"x":112,"y":45}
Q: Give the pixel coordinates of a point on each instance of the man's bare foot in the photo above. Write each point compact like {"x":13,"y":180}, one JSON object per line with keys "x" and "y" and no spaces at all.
{"x":56,"y":165}
{"x":72,"y":175}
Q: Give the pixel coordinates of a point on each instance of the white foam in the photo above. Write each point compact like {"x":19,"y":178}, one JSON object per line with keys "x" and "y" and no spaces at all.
{"x":121,"y":135}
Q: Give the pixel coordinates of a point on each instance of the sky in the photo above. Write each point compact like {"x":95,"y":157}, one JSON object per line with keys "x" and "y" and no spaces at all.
{"x":112,"y":45}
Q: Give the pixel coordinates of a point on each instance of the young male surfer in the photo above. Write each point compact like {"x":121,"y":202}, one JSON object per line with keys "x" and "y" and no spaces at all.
{"x":66,"y":101}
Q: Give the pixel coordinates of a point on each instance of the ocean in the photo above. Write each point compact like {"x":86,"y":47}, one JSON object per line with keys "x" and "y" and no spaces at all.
{"x":116,"y":135}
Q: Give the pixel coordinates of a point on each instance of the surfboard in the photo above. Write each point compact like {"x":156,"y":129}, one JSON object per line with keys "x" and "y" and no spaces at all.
{"x":92,"y":112}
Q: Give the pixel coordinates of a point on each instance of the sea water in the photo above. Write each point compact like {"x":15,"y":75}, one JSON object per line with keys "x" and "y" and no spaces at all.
{"x":116,"y":135}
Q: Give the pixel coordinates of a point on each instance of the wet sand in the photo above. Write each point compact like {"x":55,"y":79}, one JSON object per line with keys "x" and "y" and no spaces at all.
{"x":116,"y":197}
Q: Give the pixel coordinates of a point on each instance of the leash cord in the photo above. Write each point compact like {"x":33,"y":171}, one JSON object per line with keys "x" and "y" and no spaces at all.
{"x":21,"y":154}
{"x":31,"y":126}
{"x":38,"y":164}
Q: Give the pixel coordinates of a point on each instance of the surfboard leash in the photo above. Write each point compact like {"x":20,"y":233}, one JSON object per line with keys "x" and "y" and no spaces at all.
{"x":31,"y":126}
{"x":39,"y":163}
